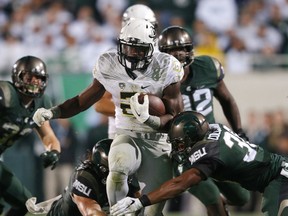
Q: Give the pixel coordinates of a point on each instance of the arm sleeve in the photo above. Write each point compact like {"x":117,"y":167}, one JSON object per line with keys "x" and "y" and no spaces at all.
{"x":85,"y":188}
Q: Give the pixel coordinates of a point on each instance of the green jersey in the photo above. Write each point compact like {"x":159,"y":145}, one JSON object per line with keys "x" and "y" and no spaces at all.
{"x":16,"y":120}
{"x":223,"y":155}
{"x":198,"y":89}
{"x":86,"y":181}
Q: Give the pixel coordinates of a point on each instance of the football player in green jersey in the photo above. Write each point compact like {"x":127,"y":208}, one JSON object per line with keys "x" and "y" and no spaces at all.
{"x":86,"y":191}
{"x":203,"y":80}
{"x":216,"y":151}
{"x":19,"y":100}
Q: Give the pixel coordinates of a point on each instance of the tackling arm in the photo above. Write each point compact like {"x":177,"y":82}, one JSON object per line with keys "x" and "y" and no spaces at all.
{"x":48,"y":137}
{"x":87,"y":207}
{"x":167,"y":190}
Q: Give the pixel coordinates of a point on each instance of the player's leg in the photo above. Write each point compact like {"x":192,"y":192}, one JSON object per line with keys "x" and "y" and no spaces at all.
{"x":124,"y":159}
{"x":275,"y":198}
{"x":234,"y":194}
{"x":155,"y":169}
{"x":13,"y":192}
{"x":208,"y":193}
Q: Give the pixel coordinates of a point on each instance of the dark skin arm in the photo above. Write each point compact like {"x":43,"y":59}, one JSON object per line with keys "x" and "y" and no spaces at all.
{"x":175,"y":186}
{"x":105,"y":105}
{"x":228,"y":105}
{"x":87,"y":207}
{"x":81,"y":102}
{"x":173,"y":103}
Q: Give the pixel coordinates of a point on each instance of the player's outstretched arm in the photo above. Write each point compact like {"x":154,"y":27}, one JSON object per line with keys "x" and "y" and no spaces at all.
{"x":167,"y":190}
{"x":73,"y":106}
{"x":87,"y":206}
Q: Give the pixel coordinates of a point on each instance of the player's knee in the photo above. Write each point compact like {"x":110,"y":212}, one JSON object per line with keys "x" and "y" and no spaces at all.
{"x":117,"y":177}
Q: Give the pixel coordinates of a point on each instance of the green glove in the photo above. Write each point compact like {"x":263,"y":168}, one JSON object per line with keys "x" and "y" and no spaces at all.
{"x":50,"y":158}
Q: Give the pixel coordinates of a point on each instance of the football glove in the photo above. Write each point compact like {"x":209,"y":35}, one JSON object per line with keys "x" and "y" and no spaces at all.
{"x":50,"y":158}
{"x":126,"y":206}
{"x":140,"y":111}
{"x":242,"y":134}
{"x":41,"y":115}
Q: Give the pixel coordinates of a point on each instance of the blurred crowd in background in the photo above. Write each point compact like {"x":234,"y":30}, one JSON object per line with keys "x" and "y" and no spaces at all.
{"x":245,"y":35}
{"x":70,"y":34}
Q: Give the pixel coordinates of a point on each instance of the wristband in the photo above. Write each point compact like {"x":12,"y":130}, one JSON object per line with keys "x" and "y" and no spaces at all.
{"x":153,"y":122}
{"x":145,"y":200}
{"x":56,"y":112}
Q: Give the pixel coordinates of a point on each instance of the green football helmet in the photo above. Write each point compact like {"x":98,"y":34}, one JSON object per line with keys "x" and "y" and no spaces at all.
{"x":186,"y":129}
{"x":29,"y":76}
{"x":176,"y":41}
{"x":100,"y":153}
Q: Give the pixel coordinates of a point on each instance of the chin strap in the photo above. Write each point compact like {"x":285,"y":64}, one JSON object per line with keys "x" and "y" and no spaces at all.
{"x":131,"y":74}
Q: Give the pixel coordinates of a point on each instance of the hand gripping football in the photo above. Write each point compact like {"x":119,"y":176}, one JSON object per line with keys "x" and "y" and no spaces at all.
{"x":156,"y":105}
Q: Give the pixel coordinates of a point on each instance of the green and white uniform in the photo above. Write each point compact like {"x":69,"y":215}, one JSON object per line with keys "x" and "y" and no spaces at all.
{"x":224,"y":156}
{"x":198,"y":92}
{"x":15,"y":122}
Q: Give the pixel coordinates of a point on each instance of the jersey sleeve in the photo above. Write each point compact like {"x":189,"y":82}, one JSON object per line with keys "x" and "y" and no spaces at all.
{"x":219,"y":69}
{"x":84,"y":188}
{"x":206,"y":159}
{"x":175,"y":72}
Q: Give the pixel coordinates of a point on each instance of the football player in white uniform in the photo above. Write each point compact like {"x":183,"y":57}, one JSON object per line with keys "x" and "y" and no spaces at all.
{"x":106,"y":105}
{"x":140,"y":144}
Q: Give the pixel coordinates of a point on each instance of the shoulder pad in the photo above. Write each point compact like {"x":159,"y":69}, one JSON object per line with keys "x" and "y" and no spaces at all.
{"x":219,"y":68}
{"x":6,"y":93}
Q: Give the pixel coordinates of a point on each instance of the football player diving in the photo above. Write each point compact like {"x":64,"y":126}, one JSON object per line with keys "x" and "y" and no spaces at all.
{"x":216,"y":151}
{"x":86,"y":191}
{"x":19,"y":100}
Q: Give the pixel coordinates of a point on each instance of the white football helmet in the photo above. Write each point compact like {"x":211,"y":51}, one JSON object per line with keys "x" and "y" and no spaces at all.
{"x":139,"y":11}
{"x":136,"y":44}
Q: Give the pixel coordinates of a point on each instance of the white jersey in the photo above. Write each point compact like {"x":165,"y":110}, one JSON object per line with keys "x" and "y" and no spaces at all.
{"x":163,"y":70}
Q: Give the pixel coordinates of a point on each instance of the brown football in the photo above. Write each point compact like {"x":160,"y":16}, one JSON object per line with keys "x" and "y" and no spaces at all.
{"x":156,"y":105}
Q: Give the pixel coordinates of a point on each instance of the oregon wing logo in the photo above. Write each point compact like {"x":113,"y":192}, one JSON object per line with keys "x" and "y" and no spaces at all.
{"x":152,"y":32}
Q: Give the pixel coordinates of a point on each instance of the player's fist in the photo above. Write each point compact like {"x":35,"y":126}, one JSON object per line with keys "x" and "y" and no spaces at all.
{"x":140,"y":111}
{"x":41,"y":115}
{"x":50,"y":158}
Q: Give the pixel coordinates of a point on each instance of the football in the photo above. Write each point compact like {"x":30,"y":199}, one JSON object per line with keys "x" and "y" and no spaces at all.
{"x":156,"y":105}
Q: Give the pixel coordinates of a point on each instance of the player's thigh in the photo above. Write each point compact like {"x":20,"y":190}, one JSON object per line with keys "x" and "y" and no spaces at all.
{"x":156,"y":166}
{"x":275,"y":198}
{"x":206,"y":191}
{"x":233,"y":192}
{"x":12,"y":190}
{"x":124,"y":155}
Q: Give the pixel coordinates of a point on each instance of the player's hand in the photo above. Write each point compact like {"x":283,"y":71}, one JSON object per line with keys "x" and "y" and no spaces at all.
{"x":125,"y":206}
{"x":242,"y":134}
{"x":41,"y":115}
{"x":140,"y":111}
{"x":50,"y":158}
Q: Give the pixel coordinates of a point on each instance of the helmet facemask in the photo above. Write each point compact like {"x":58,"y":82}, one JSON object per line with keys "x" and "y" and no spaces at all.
{"x":136,"y":45}
{"x":181,"y":148}
{"x":134,"y":55}
{"x":176,"y":41}
{"x":29,"y":76}
{"x":30,"y":84}
{"x":187,"y":128}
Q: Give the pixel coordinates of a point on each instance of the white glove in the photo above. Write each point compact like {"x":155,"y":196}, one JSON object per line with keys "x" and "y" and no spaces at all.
{"x":126,"y":206}
{"x":140,"y":111}
{"x":41,"y":115}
